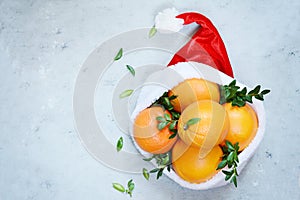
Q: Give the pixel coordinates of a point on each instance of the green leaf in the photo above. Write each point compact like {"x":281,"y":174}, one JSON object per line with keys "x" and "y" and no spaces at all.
{"x":244,"y":91}
{"x":167,"y":117}
{"x":229,"y":145}
{"x":173,"y":135}
{"x":162,"y":125}
{"x":230,"y":157}
{"x":172,"y":97}
{"x":227,"y":177}
{"x":222,"y":164}
{"x":259,"y":97}
{"x":193,"y":121}
{"x":146,"y":174}
{"x":232,"y":83}
{"x":125,"y":93}
{"x":130,"y":185}
{"x":248,"y":98}
{"x":227,"y":172}
{"x":160,"y":119}
{"x":159,"y":173}
{"x":131,"y":70}
{"x":148,"y":159}
{"x":119,"y":54}
{"x":172,"y":125}
{"x":119,"y":187}
{"x":265,"y":92}
{"x":175,"y":115}
{"x":152,"y":32}
{"x":120,"y":144}
{"x":234,"y":181}
{"x":255,"y":90}
{"x":154,"y":170}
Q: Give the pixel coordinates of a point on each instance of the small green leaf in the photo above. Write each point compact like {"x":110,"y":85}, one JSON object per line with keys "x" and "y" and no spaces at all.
{"x":234,"y":181}
{"x":229,"y":144}
{"x":259,"y":97}
{"x":125,"y":93}
{"x":173,"y":135}
{"x":248,"y":98}
{"x":152,"y":32}
{"x":119,"y":54}
{"x":146,"y":174}
{"x":227,"y":177}
{"x":162,"y":125}
{"x":119,"y":187}
{"x":160,"y":119}
{"x":130,"y":185}
{"x":255,"y":90}
{"x":172,"y":125}
{"x":230,"y":158}
{"x":172,"y":97}
{"x":244,"y":91}
{"x":159,"y":173}
{"x":167,"y":117}
{"x":154,"y":170}
{"x":120,"y":144}
{"x":192,"y":121}
{"x":148,"y":159}
{"x":227,"y":172}
{"x":265,"y":92}
{"x":222,"y":164}
{"x":232,"y":83}
{"x":175,"y":115}
{"x":131,"y":69}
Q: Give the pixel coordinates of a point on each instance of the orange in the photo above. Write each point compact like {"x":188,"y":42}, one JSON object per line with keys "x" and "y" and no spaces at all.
{"x":192,"y":90}
{"x":147,"y":135}
{"x":210,"y":131}
{"x":242,"y":124}
{"x":190,"y":167}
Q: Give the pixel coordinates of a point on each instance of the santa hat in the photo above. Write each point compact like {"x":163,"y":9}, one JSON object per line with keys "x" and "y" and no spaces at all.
{"x":206,"y":45}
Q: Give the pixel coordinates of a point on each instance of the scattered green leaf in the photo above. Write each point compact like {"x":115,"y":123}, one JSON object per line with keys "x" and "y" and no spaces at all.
{"x":119,"y":187}
{"x":146,"y":174}
{"x":152,"y":31}
{"x":120,"y":144}
{"x":119,"y":54}
{"x":131,"y":70}
{"x":125,"y":93}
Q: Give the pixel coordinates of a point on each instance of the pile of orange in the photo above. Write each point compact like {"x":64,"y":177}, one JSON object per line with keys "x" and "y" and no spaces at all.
{"x":196,"y":153}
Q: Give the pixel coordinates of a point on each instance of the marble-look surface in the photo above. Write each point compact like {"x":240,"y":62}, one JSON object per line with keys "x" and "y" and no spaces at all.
{"x":42,"y":46}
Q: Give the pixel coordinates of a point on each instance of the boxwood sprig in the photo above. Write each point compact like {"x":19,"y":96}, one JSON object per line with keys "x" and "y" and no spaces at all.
{"x":163,"y":161}
{"x":231,"y":160}
{"x":238,"y":97}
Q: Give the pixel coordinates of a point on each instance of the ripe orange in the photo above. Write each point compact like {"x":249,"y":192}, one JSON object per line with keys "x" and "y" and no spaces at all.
{"x":147,"y":135}
{"x":210,"y":131}
{"x":243,"y":124}
{"x":190,"y":167}
{"x":192,"y":90}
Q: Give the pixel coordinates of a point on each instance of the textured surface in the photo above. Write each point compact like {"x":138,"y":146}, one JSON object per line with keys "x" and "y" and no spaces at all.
{"x":42,"y":46}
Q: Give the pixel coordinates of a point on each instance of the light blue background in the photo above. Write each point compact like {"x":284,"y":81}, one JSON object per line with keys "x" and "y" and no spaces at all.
{"x":42,"y":46}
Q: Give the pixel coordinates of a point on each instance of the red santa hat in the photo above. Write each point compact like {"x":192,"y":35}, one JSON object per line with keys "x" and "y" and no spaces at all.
{"x":206,"y":45}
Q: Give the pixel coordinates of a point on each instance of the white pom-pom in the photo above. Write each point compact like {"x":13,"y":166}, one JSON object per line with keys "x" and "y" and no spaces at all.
{"x":167,"y":22}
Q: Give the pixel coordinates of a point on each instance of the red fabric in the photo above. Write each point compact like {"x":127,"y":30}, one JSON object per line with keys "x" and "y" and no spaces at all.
{"x":206,"y":45}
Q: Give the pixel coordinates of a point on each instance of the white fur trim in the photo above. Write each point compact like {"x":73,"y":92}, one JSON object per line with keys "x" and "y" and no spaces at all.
{"x":166,"y":21}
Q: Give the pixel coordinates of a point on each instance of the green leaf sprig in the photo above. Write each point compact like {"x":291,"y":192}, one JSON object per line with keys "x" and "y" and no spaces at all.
{"x":231,"y":160}
{"x":167,"y":120}
{"x":130,"y":187}
{"x":163,"y":161}
{"x":232,"y":93}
